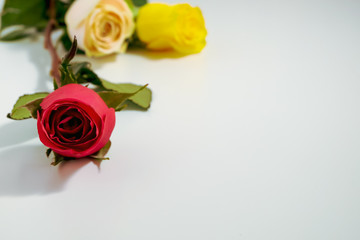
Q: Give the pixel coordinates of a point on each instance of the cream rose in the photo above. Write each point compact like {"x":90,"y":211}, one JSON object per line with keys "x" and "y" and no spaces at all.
{"x":101,"y":26}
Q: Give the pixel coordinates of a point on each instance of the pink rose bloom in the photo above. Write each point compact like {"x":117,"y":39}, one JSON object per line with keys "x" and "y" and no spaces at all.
{"x":74,"y":121}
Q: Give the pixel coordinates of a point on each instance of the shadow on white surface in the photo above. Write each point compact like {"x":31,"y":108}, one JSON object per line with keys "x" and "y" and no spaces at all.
{"x":42,"y":63}
{"x":17,"y":132}
{"x":25,"y":170}
{"x":39,"y":57}
{"x":156,"y":55}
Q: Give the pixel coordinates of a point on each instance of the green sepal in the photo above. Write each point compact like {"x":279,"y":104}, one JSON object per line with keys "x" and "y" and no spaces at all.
{"x":26,"y":106}
{"x":83,"y":73}
{"x":58,"y":158}
{"x":67,"y":76}
{"x":70,"y":54}
{"x":67,"y":43}
{"x":48,"y":152}
{"x":100,"y":155}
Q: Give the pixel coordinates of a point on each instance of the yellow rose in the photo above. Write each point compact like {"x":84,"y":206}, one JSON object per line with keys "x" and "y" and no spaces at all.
{"x":179,"y":27}
{"x":101,"y":26}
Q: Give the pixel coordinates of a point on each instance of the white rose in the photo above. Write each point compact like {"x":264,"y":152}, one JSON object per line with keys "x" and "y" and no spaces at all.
{"x":101,"y":26}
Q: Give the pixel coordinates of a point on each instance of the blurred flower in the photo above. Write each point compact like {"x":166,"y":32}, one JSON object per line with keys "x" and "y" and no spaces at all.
{"x":101,"y":26}
{"x":180,"y":27}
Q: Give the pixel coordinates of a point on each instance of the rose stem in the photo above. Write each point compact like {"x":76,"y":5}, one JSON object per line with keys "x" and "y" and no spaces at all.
{"x":49,"y":45}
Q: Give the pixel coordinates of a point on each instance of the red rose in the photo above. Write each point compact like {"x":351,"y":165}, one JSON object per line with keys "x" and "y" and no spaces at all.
{"x":74,"y":121}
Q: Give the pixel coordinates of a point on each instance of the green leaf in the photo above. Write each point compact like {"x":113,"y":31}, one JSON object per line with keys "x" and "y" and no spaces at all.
{"x":18,"y":34}
{"x":121,"y":108}
{"x":34,"y":106}
{"x":115,"y":99}
{"x":21,"y":108}
{"x":142,"y":98}
{"x":31,"y":13}
{"x":135,"y":42}
{"x":81,"y":73}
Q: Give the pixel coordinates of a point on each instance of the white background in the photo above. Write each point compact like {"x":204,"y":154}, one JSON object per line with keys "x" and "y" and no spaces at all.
{"x":255,"y":138}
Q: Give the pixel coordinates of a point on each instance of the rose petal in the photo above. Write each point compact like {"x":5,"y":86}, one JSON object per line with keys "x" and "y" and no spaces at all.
{"x":108,"y":123}
{"x":76,"y":93}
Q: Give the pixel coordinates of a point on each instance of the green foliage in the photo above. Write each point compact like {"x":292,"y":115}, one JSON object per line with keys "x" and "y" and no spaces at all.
{"x":71,"y":53}
{"x":84,"y":74}
{"x":25,"y":13}
{"x":140,"y":95}
{"x":33,"y":107}
{"x":29,"y":17}
{"x":115,"y":99}
{"x":134,"y":5}
{"x":27,"y":106}
{"x":61,"y":8}
{"x":48,"y":152}
{"x":139,"y":3}
{"x":17,"y":34}
{"x":67,"y":76}
{"x":115,"y":93}
{"x":135,"y":42}
{"x":24,"y":18}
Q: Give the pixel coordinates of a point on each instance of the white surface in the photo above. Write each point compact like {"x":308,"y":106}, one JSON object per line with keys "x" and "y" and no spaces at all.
{"x":255,"y":138}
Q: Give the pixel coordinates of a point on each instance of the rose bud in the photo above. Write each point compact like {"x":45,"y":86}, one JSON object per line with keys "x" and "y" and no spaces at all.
{"x":178,"y":27}
{"x":74,"y":121}
{"x":101,"y":26}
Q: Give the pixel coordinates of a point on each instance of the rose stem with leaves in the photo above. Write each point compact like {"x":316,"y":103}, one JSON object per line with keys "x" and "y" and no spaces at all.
{"x":49,"y":45}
